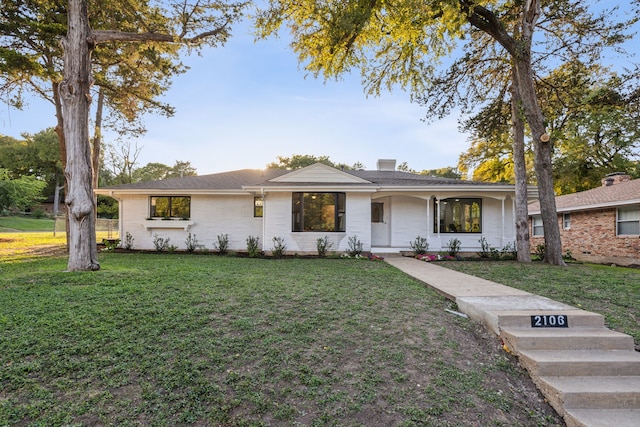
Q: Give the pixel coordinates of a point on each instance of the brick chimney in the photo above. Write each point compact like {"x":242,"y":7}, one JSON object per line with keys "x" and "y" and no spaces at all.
{"x":386,"y":164}
{"x":615,"y":178}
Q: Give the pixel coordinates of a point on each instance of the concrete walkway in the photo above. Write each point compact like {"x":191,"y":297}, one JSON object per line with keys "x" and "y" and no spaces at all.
{"x":588,"y":373}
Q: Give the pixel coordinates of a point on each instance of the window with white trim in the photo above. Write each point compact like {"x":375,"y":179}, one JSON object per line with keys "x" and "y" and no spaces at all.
{"x":566,"y":221}
{"x":537,"y":228}
{"x":628,"y":221}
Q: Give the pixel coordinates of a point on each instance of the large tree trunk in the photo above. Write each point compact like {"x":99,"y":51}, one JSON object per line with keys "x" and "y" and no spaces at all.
{"x":542,"y":164}
{"x":75,"y":97}
{"x":523,"y":245}
{"x":541,"y":141}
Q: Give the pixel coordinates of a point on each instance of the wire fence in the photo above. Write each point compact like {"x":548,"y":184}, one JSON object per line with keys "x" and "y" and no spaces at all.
{"x":105,"y":228}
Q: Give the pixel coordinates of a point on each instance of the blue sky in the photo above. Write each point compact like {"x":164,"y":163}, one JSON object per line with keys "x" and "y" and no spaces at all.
{"x":244,"y":104}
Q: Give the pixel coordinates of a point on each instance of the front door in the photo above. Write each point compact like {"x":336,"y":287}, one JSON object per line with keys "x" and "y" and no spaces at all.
{"x":380,"y":224}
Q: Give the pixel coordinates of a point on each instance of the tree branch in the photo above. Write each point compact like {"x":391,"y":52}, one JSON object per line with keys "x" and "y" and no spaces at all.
{"x":103,"y":36}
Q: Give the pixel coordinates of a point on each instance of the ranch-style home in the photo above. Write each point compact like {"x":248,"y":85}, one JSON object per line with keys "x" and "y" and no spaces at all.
{"x":601,"y":225}
{"x":384,"y":209}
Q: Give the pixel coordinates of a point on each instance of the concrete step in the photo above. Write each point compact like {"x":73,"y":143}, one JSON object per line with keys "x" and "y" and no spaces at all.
{"x":592,"y":392}
{"x":603,"y":418}
{"x":522,"y":319}
{"x":575,"y":363}
{"x":518,"y":339}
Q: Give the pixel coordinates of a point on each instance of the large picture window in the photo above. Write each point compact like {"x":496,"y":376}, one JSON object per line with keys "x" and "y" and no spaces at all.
{"x":458,"y":216}
{"x":170,"y":206}
{"x":318,"y":212}
{"x":629,"y":221}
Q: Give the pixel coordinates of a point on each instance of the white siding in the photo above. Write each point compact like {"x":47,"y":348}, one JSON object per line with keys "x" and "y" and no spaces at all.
{"x":278,"y":224}
{"x":210,"y":217}
{"x":408,"y":220}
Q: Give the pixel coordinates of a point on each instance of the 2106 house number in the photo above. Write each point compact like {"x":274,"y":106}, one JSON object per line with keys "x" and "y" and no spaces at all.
{"x":549,"y":321}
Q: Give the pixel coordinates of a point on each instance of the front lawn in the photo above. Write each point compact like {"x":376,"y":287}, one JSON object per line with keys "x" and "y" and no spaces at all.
{"x":611,"y":291}
{"x":174,"y":339}
{"x":24,"y":223}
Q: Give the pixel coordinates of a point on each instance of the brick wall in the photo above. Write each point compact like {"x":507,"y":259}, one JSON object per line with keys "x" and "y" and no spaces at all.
{"x":592,"y":238}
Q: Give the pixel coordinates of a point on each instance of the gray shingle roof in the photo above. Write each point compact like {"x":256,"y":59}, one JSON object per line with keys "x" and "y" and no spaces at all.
{"x":236,"y":180}
{"x":605,"y":196}
{"x":233,"y":180}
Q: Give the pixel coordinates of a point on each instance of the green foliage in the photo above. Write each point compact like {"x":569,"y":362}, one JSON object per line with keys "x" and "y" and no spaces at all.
{"x":448,"y":172}
{"x":128,"y":241}
{"x":279,"y":247}
{"x":420,"y":246}
{"x":191,"y":243}
{"x":453,"y":247}
{"x":20,"y":193}
{"x":323,"y":245}
{"x":354,"y":246}
{"x":160,"y":243}
{"x":253,"y":246}
{"x":107,"y":207}
{"x":111,"y":244}
{"x":299,"y":161}
{"x":222,"y":243}
{"x":539,"y":251}
{"x":485,"y":248}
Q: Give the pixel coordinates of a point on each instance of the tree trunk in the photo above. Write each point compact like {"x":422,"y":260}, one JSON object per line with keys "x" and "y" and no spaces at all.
{"x":543,"y":150}
{"x":75,"y":97}
{"x":97,"y":139}
{"x":523,"y":246}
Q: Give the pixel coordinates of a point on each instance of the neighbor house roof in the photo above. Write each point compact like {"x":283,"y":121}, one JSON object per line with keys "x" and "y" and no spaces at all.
{"x":620,"y":194}
{"x":317,"y":175}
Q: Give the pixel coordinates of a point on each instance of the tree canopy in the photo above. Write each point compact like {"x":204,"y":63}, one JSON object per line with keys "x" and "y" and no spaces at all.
{"x":299,"y":161}
{"x":403,"y":44}
{"x":18,"y":194}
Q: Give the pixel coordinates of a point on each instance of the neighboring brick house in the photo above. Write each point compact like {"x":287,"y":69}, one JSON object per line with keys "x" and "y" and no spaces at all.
{"x":601,"y":225}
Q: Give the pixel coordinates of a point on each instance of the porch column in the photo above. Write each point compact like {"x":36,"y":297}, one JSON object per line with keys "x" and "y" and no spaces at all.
{"x":502,"y":232}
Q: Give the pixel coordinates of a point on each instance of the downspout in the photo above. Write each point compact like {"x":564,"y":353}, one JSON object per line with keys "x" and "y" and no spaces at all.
{"x":513,"y":224}
{"x":264,"y":218}
{"x":437,"y":220}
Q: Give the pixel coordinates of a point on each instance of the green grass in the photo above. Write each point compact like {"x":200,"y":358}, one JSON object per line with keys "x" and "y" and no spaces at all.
{"x":21,"y":223}
{"x":611,"y":291}
{"x":172,"y":339}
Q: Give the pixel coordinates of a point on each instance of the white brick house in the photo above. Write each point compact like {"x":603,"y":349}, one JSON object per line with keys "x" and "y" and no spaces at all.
{"x":384,"y":209}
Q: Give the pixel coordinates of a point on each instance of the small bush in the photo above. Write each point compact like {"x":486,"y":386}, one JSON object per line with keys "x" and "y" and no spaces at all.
{"x":510,"y":251}
{"x":191,"y":242}
{"x":279,"y":247}
{"x":253,"y":246}
{"x":161,"y":244}
{"x":323,"y":245}
{"x":38,"y":213}
{"x":110,"y":245}
{"x":453,"y":247}
{"x":222,"y":245}
{"x":354,"y":246}
{"x":128,"y":241}
{"x":540,"y":251}
{"x":485,"y":248}
{"x":420,"y":246}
